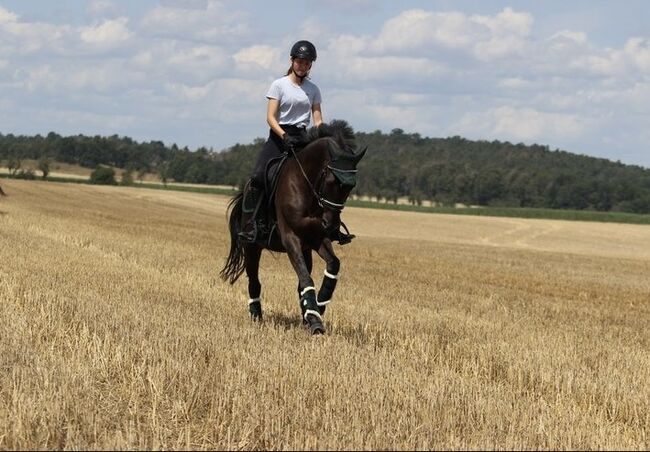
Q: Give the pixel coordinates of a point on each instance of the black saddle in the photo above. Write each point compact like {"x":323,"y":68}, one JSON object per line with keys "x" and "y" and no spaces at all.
{"x":267,"y":220}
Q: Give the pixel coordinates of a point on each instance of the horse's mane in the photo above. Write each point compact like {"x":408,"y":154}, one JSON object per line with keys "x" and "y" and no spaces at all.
{"x":337,"y":129}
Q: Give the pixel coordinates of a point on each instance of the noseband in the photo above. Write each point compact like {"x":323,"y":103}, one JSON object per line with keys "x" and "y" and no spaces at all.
{"x":318,"y":194}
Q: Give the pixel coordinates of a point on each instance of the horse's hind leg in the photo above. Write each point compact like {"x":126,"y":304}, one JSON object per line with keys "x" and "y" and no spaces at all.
{"x":333,"y":265}
{"x":252,"y":255}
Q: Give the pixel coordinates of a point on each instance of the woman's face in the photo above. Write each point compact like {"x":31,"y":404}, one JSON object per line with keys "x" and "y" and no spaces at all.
{"x":301,"y":66}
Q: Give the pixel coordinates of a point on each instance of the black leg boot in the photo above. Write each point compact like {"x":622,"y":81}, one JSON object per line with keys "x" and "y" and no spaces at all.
{"x":251,"y":206}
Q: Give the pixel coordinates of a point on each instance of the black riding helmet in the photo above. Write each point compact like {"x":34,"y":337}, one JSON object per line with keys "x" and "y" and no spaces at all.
{"x":303,"y":49}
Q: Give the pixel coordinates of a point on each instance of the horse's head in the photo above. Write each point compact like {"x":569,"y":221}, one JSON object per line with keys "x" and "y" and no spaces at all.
{"x":338,"y":179}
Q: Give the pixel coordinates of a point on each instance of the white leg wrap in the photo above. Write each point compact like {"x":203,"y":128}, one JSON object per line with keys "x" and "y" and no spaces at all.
{"x":314,"y":313}
{"x":307,"y":289}
{"x":323,"y":303}
{"x":253,"y":300}
{"x":331,"y":276}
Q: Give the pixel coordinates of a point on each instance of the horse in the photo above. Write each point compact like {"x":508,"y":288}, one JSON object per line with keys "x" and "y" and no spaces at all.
{"x":2,"y":192}
{"x":312,"y":187}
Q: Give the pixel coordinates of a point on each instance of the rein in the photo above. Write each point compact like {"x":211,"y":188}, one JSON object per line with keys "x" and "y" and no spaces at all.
{"x":322,"y":201}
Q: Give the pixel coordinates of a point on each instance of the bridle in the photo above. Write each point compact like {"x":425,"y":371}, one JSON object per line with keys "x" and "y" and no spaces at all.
{"x":323,"y":202}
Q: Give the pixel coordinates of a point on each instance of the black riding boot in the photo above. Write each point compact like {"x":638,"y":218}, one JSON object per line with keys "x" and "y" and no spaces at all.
{"x":251,"y":205}
{"x":342,"y":237}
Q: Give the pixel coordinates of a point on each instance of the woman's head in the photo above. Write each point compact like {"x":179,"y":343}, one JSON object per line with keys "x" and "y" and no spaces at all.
{"x":304,"y":50}
{"x":303,"y":54}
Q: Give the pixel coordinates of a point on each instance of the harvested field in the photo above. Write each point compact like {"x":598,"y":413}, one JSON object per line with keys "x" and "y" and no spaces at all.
{"x":446,"y":332}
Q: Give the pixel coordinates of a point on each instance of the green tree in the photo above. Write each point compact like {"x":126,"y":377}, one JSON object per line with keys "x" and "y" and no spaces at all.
{"x":103,"y":175}
{"x":127,"y":177}
{"x":44,"y":166}
{"x":14,"y":164}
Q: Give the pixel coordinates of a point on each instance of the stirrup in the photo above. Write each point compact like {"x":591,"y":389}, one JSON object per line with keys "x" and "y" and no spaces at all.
{"x":344,"y":238}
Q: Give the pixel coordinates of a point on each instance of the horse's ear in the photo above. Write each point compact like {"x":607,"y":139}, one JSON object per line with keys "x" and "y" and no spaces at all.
{"x":360,"y":155}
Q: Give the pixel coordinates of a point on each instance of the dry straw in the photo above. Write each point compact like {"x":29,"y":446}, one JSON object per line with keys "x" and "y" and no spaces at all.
{"x":446,"y":332}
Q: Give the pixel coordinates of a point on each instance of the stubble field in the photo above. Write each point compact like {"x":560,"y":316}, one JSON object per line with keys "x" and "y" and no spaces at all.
{"x":446,"y":332}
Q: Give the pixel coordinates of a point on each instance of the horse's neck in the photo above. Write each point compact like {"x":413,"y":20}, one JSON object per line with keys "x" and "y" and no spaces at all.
{"x":312,"y":159}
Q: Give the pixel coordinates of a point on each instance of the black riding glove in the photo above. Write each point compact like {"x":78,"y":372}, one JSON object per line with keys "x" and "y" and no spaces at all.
{"x":290,"y":142}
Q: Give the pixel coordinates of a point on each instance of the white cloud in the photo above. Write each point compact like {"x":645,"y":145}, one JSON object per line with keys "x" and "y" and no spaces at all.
{"x":263,"y":56}
{"x":514,"y":83}
{"x":507,"y":22}
{"x":563,"y":37}
{"x":390,"y":68}
{"x":7,"y":16}
{"x":20,"y":38}
{"x":638,"y":50}
{"x":417,"y":29}
{"x":523,"y":123}
{"x":108,"y":34}
{"x":173,"y":61}
{"x":484,"y":37}
{"x":209,"y":21}
{"x":101,"y":7}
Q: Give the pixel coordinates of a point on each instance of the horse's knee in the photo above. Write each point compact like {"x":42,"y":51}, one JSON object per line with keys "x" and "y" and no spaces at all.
{"x":334,"y":266}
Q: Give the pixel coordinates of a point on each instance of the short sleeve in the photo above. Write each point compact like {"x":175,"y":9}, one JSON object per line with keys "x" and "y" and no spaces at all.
{"x":274,"y":91}
{"x":317,"y":96}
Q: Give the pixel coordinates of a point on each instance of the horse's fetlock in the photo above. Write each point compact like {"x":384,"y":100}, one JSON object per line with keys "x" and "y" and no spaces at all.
{"x":308,"y":300}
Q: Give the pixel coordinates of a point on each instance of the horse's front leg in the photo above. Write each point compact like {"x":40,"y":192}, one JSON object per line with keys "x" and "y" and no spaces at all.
{"x":309,"y":263}
{"x":332,"y":267}
{"x":309,"y":307}
{"x":252,"y":255}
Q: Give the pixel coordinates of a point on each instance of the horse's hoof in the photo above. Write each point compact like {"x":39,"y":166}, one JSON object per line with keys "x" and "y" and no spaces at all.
{"x":315,"y":325}
{"x":255,"y":309}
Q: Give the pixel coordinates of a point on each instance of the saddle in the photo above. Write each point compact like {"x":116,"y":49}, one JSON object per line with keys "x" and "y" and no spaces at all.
{"x":264,"y":212}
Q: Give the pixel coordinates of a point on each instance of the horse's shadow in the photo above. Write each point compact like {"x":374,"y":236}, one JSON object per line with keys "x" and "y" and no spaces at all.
{"x":282,"y":320}
{"x":359,"y":334}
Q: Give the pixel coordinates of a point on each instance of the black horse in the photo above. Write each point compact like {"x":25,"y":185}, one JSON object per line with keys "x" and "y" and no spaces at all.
{"x":313,"y":186}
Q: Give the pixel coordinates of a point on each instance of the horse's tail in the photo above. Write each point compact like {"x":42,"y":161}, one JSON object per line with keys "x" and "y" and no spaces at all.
{"x":2,"y":192}
{"x":235,"y":264}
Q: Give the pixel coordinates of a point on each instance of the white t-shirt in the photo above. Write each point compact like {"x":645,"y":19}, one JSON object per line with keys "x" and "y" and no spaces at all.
{"x":295,"y":100}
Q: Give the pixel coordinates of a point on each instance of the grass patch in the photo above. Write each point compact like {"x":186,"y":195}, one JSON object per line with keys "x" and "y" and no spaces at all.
{"x":512,"y":212}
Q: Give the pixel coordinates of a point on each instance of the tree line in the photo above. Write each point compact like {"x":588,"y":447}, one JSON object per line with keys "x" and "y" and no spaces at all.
{"x":398,"y":164}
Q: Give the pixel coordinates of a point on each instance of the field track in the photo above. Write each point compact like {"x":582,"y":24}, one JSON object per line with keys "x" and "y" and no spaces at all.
{"x":446,"y":332}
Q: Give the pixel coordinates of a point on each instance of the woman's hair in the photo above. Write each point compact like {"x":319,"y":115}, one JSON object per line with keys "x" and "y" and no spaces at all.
{"x":290,"y":70}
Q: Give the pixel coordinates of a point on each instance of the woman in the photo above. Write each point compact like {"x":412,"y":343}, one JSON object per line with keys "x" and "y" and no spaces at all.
{"x":293,"y":102}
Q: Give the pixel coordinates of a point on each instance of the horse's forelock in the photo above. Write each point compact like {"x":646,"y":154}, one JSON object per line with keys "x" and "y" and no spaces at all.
{"x":339,"y":130}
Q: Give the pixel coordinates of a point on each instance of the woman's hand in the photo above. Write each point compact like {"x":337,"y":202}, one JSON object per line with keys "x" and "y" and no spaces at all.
{"x":290,"y":141}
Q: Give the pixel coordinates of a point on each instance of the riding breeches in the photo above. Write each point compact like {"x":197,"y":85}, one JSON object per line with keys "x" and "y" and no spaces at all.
{"x":274,"y":147}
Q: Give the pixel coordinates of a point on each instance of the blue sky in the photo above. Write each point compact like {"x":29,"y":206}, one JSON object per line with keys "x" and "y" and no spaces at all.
{"x":571,"y":75}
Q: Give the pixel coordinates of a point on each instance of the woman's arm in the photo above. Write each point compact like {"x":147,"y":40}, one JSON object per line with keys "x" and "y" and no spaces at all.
{"x":272,"y":117}
{"x":317,"y":115}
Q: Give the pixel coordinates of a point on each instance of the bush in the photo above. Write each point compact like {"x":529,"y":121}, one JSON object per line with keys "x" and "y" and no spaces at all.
{"x":25,"y":174}
{"x":127,"y":178}
{"x":103,"y":176}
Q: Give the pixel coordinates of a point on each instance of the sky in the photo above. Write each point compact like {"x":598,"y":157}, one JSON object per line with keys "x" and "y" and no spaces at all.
{"x":571,"y":75}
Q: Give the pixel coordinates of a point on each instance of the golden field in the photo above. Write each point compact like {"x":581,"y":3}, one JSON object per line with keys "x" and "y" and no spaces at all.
{"x":446,"y":332}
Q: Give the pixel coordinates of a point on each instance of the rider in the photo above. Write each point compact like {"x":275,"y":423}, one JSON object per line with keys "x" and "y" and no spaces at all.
{"x":294,"y":101}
